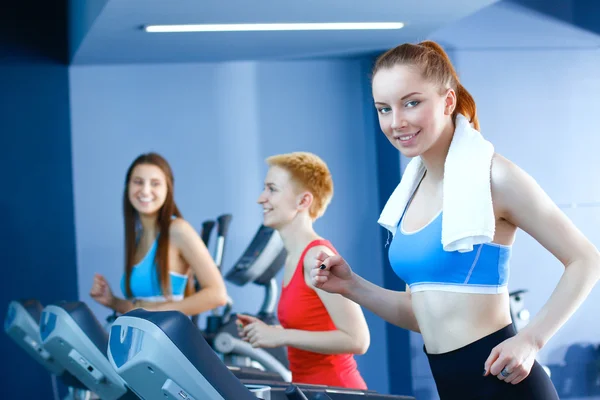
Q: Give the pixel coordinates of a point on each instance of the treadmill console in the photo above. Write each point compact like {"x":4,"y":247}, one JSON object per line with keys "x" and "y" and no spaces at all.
{"x":262,"y":260}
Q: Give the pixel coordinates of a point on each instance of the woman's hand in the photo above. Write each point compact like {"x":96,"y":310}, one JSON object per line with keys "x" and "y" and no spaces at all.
{"x":332,"y":274}
{"x":101,"y":291}
{"x":259,"y":334}
{"x":243,"y":320}
{"x":511,"y":361}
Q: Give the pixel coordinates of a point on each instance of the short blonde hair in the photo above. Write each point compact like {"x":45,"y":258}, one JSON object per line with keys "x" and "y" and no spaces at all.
{"x":311,"y":172}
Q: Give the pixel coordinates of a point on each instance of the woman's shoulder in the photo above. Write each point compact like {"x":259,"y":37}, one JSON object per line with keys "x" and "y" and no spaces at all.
{"x":508,"y":181}
{"x":180,"y":229}
{"x":314,"y":248}
{"x":501,"y":168}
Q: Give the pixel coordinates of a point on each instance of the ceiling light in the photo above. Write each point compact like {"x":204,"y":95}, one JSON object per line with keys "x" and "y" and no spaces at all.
{"x":275,"y":27}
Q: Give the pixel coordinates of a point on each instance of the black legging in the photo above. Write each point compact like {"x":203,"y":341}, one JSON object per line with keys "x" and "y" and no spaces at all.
{"x":458,"y":374}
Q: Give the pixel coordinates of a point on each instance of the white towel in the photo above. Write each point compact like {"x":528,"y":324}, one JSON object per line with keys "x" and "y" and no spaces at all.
{"x":468,"y":215}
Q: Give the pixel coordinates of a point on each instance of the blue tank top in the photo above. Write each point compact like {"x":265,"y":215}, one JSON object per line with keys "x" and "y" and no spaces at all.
{"x":419,"y":259}
{"x":144,"y":280}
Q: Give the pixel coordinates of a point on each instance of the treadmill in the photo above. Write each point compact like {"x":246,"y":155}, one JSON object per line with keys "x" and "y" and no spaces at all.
{"x":164,"y":356}
{"x":73,"y":336}
{"x":22,"y":325}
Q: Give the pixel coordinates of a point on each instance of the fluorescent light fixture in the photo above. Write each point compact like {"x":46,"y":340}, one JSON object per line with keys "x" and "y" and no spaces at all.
{"x":275,"y":27}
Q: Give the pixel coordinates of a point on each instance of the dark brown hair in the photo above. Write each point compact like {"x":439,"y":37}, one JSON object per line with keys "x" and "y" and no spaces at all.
{"x":165,"y":216}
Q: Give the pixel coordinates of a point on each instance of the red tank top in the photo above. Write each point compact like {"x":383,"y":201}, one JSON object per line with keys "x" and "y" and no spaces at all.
{"x":301,"y":308}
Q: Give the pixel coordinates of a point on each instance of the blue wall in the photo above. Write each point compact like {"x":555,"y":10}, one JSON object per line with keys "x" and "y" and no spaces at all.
{"x":216,"y":123}
{"x":38,"y":229}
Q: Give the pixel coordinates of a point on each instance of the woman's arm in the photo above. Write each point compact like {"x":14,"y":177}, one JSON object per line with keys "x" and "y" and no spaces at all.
{"x":521,"y":201}
{"x":352,"y":334}
{"x":527,"y":206}
{"x":121,"y":306}
{"x":102,"y":293}
{"x":337,"y":277}
{"x":212,"y":293}
{"x":393,"y":306}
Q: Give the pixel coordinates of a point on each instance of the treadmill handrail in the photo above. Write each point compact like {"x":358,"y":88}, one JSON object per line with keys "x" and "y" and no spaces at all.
{"x":270,"y":302}
{"x":225,"y":343}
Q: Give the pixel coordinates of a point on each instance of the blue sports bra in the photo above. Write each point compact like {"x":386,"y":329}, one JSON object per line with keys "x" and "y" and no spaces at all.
{"x":144,"y":280}
{"x":419,"y":259}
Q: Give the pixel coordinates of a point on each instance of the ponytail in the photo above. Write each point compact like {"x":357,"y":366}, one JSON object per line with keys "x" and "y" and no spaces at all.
{"x":435,"y":65}
{"x":465,"y":105}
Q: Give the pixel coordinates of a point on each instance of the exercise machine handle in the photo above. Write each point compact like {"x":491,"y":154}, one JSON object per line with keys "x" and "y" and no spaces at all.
{"x":294,"y":393}
{"x":207,"y":227}
{"x":225,"y":343}
{"x":223,"y":224}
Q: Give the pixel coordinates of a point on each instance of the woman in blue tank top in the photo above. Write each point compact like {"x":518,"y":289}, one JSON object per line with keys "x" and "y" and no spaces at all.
{"x":162,"y":250}
{"x":458,"y":300}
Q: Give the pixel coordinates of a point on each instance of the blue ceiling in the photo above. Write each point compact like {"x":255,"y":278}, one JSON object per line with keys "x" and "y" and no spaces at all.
{"x":109,"y":31}
{"x":509,"y":25}
{"x":584,"y":14}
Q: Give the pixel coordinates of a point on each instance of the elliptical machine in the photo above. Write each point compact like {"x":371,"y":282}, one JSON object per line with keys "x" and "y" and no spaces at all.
{"x":222,"y":223}
{"x":261,"y":261}
{"x":520,"y":314}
